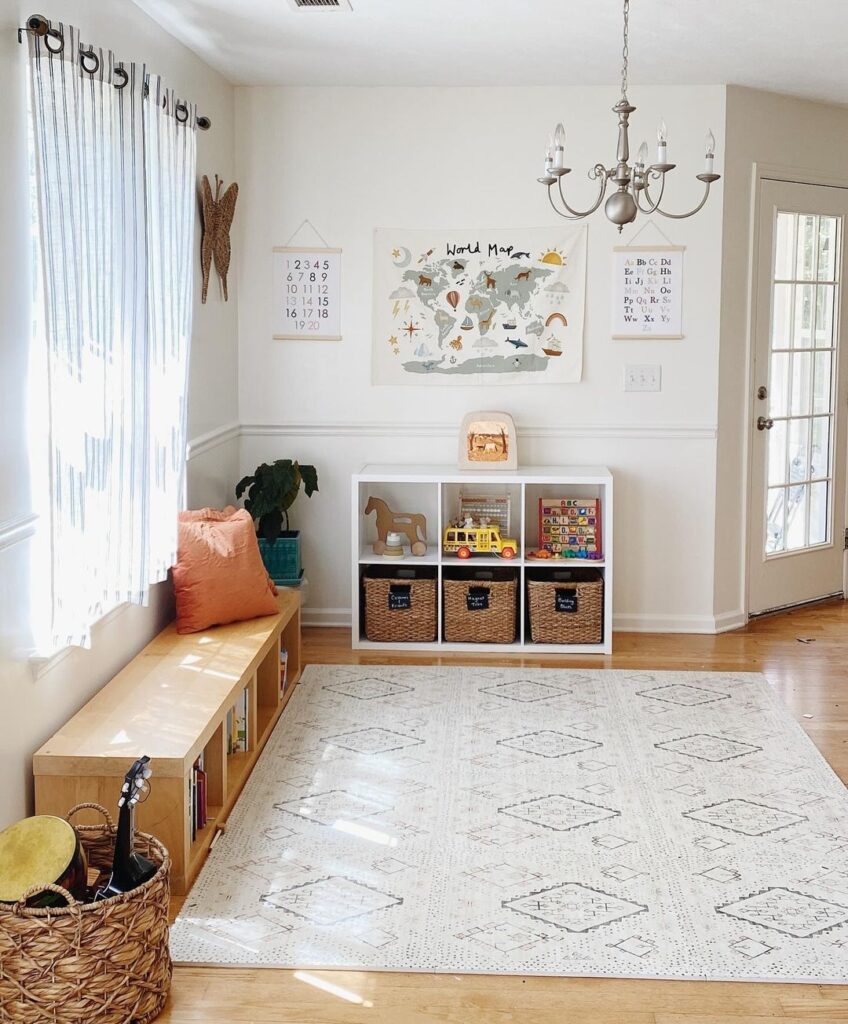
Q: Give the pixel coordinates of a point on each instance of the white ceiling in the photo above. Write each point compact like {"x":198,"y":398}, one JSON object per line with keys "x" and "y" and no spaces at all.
{"x":788,"y":46}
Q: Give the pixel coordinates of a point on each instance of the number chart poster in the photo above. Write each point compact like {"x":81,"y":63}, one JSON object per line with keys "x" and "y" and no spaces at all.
{"x":307,"y":294}
{"x":648,"y":293}
{"x":479,"y":307}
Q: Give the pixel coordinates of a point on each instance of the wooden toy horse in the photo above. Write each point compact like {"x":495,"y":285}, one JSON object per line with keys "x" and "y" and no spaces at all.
{"x":408,"y":523}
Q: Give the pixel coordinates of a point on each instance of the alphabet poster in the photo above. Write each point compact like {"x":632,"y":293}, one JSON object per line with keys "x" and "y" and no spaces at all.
{"x":479,"y":307}
{"x":648,"y":292}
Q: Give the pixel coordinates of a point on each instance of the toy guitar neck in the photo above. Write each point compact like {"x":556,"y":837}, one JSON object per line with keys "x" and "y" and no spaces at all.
{"x":129,"y":868}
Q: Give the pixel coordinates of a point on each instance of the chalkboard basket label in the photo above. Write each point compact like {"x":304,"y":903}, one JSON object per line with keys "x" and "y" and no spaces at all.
{"x":400,"y":597}
{"x":477,"y":599}
{"x":565,"y":599}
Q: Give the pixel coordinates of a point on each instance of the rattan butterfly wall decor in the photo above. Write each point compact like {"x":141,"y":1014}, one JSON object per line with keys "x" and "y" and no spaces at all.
{"x":217,"y":212}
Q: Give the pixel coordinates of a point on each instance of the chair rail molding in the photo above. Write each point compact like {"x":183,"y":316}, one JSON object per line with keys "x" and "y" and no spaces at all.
{"x":211,"y":440}
{"x":659,"y":431}
{"x":17,"y":529}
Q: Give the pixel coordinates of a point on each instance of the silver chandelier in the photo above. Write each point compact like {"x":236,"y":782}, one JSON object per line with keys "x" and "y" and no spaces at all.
{"x":633,"y":194}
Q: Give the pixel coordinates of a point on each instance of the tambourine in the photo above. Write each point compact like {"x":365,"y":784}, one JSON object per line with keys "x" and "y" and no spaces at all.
{"x":42,"y":851}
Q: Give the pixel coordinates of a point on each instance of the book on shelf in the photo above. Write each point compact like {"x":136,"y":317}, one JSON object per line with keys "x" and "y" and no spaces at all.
{"x":284,"y":664}
{"x":197,"y":797}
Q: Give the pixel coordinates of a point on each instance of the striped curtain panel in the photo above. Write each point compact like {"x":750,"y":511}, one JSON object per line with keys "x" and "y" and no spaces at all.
{"x":115,"y":164}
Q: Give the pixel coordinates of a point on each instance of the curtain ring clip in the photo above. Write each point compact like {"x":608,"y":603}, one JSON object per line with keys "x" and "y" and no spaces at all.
{"x":90,"y":55}
{"x":120,"y":70}
{"x":181,"y":113}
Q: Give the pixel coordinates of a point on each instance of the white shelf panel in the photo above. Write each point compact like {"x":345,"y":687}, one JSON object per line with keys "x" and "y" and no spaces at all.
{"x":527,"y":648}
{"x":564,"y":563}
{"x":481,"y":561}
{"x":367,"y":557}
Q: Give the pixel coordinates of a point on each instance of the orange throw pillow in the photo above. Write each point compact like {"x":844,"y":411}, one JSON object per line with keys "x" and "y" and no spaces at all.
{"x":219,"y":576}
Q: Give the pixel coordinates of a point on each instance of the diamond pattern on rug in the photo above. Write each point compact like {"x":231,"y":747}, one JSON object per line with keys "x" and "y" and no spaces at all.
{"x":683,"y":695}
{"x":574,"y":907}
{"x":526,"y":691}
{"x":531,"y":821}
{"x":549,"y":743}
{"x":372,"y":741}
{"x":369,"y":688}
{"x":789,"y":912}
{"x":331,"y":900}
{"x":328,"y":808}
{"x":708,"y":748}
{"x":745,"y":817}
{"x":558,"y":812}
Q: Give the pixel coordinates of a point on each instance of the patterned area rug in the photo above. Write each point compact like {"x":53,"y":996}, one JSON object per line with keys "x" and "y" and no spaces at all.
{"x":609,"y":823}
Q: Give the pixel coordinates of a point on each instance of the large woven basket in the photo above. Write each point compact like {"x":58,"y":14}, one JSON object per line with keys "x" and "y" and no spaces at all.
{"x":399,"y":608}
{"x":566,"y":607}
{"x":481,"y":607}
{"x":90,"y":963}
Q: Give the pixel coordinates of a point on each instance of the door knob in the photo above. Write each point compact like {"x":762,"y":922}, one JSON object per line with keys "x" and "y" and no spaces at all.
{"x":764,"y":423}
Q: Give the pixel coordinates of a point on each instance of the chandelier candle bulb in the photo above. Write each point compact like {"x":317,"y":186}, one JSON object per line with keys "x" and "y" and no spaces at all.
{"x":662,"y":143}
{"x":709,"y":146}
{"x":642,"y":156}
{"x":559,"y":147}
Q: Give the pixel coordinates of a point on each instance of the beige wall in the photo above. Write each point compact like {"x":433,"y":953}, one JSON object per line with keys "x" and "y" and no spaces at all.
{"x":33,"y":707}
{"x":779,"y":131}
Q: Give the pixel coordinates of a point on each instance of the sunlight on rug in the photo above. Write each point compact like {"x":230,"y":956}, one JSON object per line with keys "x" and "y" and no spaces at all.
{"x":561,"y":822}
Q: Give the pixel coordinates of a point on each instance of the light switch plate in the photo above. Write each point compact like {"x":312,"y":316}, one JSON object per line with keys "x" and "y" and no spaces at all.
{"x":643,"y":377}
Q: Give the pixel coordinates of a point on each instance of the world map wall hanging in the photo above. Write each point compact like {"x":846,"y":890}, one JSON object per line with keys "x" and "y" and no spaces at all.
{"x":479,"y":307}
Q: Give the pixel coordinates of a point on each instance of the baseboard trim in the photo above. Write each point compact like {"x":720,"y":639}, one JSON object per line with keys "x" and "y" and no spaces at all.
{"x":17,"y":529}
{"x":208,"y":442}
{"x":730,"y":620}
{"x":659,"y":431}
{"x":340,"y":617}
{"x":326,"y":617}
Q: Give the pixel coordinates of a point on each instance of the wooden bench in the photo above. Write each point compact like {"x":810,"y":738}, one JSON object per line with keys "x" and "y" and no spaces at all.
{"x":171,"y":702}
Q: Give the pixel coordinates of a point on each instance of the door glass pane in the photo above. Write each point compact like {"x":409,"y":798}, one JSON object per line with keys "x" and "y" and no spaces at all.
{"x":802,"y":368}
{"x":802,"y":335}
{"x":823,"y":382}
{"x":784,"y":247}
{"x":819,"y":513}
{"x":825,"y":299}
{"x":775,"y":505}
{"x":781,"y":323}
{"x":798,"y":511}
{"x":799,"y":457}
{"x":796,"y":517}
{"x":807,"y":248}
{"x":779,"y":384}
{"x":777,"y":461}
{"x":827,"y":248}
{"x":820,"y":448}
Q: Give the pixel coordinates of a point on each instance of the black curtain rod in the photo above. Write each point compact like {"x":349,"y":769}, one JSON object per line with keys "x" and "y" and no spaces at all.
{"x":38,"y":25}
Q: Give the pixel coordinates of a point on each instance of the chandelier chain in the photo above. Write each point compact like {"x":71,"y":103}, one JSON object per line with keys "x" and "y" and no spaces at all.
{"x":625,"y":50}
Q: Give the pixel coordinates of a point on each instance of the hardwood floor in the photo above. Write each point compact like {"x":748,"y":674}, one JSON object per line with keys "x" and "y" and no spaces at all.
{"x":803,"y":653}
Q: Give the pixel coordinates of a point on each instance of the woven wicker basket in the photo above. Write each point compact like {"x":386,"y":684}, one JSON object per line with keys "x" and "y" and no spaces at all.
{"x":399,"y":608}
{"x":480,"y":609}
{"x":567,"y":607}
{"x":91,"y":963}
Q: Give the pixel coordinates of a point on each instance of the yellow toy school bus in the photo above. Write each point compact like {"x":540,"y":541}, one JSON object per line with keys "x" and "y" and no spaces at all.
{"x":466,"y":541}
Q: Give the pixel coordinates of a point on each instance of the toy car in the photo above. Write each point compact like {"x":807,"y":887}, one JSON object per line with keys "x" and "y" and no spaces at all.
{"x":466,"y":541}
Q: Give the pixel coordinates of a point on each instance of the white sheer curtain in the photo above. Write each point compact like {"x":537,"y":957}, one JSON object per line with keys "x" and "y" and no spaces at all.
{"x":115,"y":165}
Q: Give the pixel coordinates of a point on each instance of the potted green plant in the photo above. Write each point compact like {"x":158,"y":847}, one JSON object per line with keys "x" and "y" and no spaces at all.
{"x":271,"y":491}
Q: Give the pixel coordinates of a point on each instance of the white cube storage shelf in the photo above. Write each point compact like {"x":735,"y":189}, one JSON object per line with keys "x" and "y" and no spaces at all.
{"x":435,"y":492}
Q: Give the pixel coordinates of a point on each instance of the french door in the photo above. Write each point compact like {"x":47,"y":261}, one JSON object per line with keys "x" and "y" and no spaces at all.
{"x":798,"y":464}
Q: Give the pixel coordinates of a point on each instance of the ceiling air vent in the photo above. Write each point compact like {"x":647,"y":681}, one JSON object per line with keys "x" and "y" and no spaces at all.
{"x":318,"y":5}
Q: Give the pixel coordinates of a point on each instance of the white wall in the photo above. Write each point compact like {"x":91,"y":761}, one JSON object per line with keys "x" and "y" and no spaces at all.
{"x":354,"y":159}
{"x":33,"y":708}
{"x":794,"y":136}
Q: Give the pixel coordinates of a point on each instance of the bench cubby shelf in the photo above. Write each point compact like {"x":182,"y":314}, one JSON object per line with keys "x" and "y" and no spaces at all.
{"x":171,"y":701}
{"x":435,"y":490}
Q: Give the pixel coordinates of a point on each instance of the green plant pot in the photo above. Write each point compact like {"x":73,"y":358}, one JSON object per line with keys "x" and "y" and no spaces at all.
{"x":282,"y":556}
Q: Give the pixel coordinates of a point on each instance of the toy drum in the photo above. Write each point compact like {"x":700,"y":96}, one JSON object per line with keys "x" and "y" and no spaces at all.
{"x":42,"y":850}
